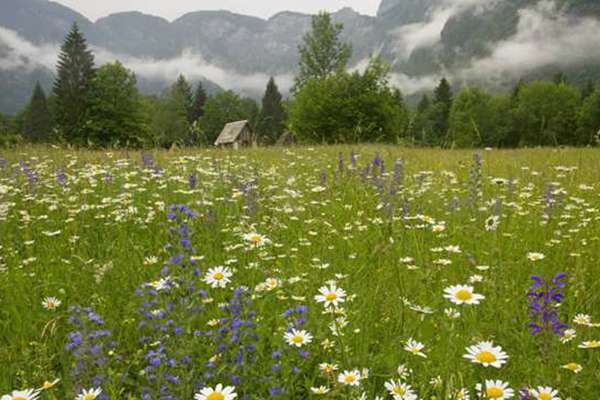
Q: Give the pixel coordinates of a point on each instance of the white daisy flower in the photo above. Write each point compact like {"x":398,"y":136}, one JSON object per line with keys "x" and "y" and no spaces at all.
{"x":574,"y":367}
{"x":331,"y":296}
{"x":27,"y":394}
{"x":497,"y":390}
{"x":590,"y":344}
{"x":89,"y":394}
{"x":545,"y":393}
{"x":350,"y":378}
{"x":319,"y":390}
{"x":218,"y":393}
{"x":533,"y":256}
{"x":51,"y":303}
{"x":298,"y":338}
{"x":462,"y":294}
{"x":218,"y":277}
{"x":399,"y":390}
{"x":486,"y":354}
{"x":491,"y":224}
{"x":256,"y":239}
{"x":414,"y":347}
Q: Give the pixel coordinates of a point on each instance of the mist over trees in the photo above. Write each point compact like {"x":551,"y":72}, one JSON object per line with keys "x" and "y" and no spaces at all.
{"x":101,"y":106}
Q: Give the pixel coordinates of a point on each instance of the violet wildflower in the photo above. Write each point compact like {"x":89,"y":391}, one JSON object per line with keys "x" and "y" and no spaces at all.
{"x":544,"y":297}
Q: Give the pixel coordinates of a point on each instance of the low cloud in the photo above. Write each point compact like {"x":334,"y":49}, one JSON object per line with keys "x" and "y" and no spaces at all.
{"x":24,"y":54}
{"x":18,"y":53}
{"x":411,"y":37}
{"x":545,"y":37}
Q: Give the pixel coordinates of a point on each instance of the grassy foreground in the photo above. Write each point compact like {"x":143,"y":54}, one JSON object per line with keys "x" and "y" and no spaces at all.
{"x":166,"y":302}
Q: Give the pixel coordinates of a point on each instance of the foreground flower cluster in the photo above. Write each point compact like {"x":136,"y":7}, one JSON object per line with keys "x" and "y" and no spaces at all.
{"x":297,"y":274}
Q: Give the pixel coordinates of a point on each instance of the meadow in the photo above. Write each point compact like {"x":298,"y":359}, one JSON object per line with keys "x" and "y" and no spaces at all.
{"x":365,"y":272}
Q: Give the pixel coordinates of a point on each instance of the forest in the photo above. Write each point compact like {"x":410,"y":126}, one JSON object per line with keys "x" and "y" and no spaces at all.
{"x":101,"y":106}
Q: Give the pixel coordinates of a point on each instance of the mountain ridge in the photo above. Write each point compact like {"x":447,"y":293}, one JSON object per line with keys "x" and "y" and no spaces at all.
{"x":422,"y":39}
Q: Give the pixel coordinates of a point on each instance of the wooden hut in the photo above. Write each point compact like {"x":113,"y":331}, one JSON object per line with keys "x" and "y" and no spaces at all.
{"x":236,"y":134}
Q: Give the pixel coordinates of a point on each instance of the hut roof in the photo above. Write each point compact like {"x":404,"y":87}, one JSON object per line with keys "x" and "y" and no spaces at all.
{"x":231,"y":132}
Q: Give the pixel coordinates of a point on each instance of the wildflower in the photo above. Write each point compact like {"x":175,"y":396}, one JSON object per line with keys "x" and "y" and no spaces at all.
{"x":319,"y":390}
{"x":218,"y":277}
{"x":533,"y":256}
{"x":331,"y":295}
{"x":414,"y":347}
{"x":298,"y":338}
{"x":545,"y":393}
{"x":27,"y":394}
{"x":568,"y":335}
{"x":494,"y":390}
{"x":49,"y":385}
{"x":89,"y":394}
{"x":461,"y":394}
{"x":491,"y":224}
{"x":582,"y":319}
{"x":462,"y":294}
{"x":256,"y":239}
{"x":350,"y":378}
{"x":590,"y":344}
{"x":486,"y":354}
{"x":218,"y":393}
{"x":542,"y":298}
{"x":51,"y":303}
{"x":399,"y":390}
{"x":574,"y":367}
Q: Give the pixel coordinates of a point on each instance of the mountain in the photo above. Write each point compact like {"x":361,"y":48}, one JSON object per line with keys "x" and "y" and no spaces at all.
{"x":489,"y":42}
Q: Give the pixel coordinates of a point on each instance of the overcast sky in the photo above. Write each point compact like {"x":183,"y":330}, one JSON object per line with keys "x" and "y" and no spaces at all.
{"x":172,"y":9}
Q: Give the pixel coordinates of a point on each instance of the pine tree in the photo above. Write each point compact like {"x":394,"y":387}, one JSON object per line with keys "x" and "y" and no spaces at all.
{"x":322,"y":53}
{"x":442,"y":103}
{"x":75,"y":71}
{"x":199,"y":102}
{"x":183,"y":90}
{"x":272,"y":116}
{"x":37,"y":124}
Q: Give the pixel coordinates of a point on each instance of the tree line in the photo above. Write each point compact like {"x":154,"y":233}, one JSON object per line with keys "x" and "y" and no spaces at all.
{"x":102,"y":106}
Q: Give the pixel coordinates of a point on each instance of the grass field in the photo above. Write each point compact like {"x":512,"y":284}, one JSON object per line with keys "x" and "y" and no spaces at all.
{"x":283,"y":273}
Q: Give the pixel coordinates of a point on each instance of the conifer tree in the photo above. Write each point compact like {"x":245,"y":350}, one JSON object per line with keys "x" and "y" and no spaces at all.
{"x":75,"y":72}
{"x":199,"y":102}
{"x":37,"y":124}
{"x":442,"y":102}
{"x":272,"y":116}
{"x":183,"y":91}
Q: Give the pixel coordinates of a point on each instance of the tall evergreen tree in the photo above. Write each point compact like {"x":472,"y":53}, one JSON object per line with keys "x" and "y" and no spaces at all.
{"x":199,"y":102}
{"x":322,"y":53}
{"x":75,"y":71}
{"x":442,"y":103}
{"x":183,"y":90}
{"x":272,"y":115}
{"x":37,"y":123}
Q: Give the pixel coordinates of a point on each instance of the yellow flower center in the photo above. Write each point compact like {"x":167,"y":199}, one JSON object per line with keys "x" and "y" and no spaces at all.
{"x":89,"y":397}
{"x":593,"y":343}
{"x":331,"y":296}
{"x":464,"y":295}
{"x":255,"y":238}
{"x":399,"y":390}
{"x":218,"y":276}
{"x":486,"y":357}
{"x":19,"y":398}
{"x":349,"y":378}
{"x":545,"y":396}
{"x":494,"y":392}
{"x":215,"y":396}
{"x":572,"y":366}
{"x":297,"y":339}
